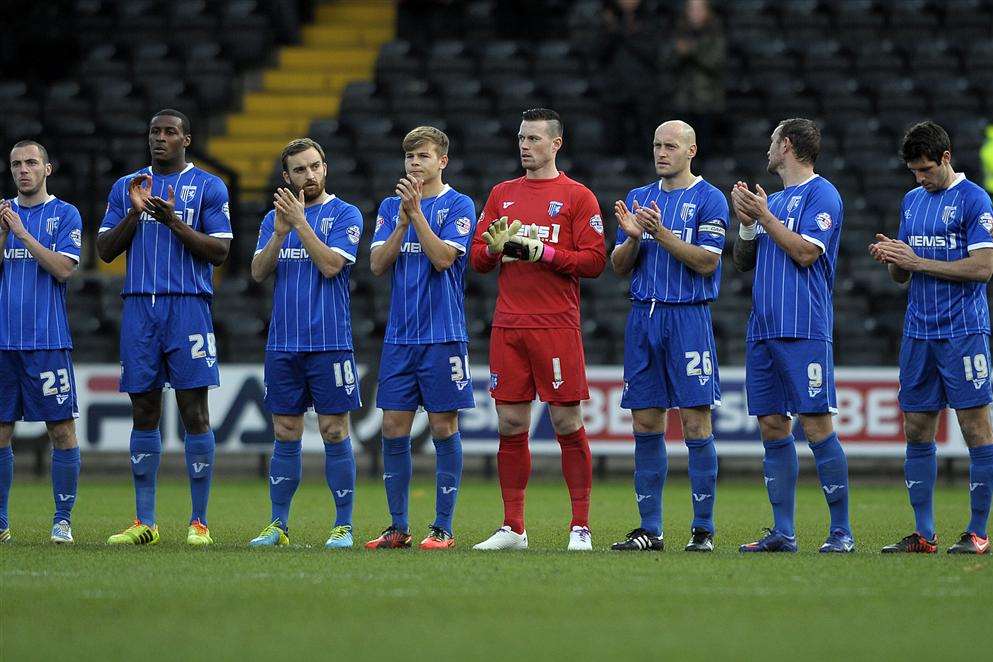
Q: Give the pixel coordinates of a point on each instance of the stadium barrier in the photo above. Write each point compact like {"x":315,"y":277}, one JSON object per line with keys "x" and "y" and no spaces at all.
{"x":868,"y":420}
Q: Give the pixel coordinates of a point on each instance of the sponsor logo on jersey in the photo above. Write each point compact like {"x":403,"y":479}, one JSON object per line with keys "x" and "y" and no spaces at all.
{"x":948,"y":214}
{"x":597,"y":223}
{"x":76,"y":237}
{"x":293,"y":254}
{"x":17,"y":254}
{"x":824,"y":220}
{"x":463,"y":225}
{"x":932,"y":241}
{"x":187,"y":193}
{"x":554,"y":207}
{"x":686,"y":213}
{"x":354,"y":233}
{"x":410,"y":247}
{"x":505,"y":205}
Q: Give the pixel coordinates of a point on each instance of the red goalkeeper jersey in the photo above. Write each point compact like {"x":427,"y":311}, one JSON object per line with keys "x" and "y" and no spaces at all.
{"x":543,"y":294}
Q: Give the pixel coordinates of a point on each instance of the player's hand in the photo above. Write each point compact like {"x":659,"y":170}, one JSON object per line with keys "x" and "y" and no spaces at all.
{"x":161,"y":210}
{"x":876,"y":251}
{"x":893,"y":251}
{"x":527,"y":248}
{"x":11,"y":221}
{"x":499,"y":233}
{"x":4,"y":206}
{"x":409,"y":190}
{"x":754,"y":204}
{"x":281,"y":226}
{"x":626,"y":219}
{"x":650,"y":219}
{"x":737,"y":193}
{"x":290,"y":206}
{"x":140,"y":190}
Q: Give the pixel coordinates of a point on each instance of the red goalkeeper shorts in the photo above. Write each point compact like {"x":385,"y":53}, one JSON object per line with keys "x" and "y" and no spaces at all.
{"x":547,"y":361}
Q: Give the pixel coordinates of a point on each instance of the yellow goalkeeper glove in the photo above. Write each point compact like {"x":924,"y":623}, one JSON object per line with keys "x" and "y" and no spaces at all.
{"x":498,"y":234}
{"x":527,"y":248}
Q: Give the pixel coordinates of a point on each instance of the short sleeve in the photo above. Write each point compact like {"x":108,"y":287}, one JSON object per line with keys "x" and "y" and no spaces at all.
{"x":266,"y":230}
{"x":345,"y":233}
{"x":457,"y":229}
{"x":979,"y":222}
{"x":215,"y":213}
{"x":903,"y":232}
{"x":712,"y":223}
{"x":820,"y":216}
{"x":385,"y":222}
{"x":69,"y":240}
{"x":118,"y":204}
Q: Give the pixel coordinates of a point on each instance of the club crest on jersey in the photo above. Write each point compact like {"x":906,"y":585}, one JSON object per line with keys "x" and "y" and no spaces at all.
{"x":463,"y":225}
{"x":794,"y":202}
{"x":187,"y":193}
{"x":824,"y":220}
{"x":597,"y":224}
{"x":354,"y":233}
{"x":326,"y":224}
{"x":986,"y":220}
{"x":948,"y":214}
{"x":76,"y":237}
{"x":686,"y":213}
{"x":441,"y":216}
{"x":554,"y":207}
{"x":52,"y":224}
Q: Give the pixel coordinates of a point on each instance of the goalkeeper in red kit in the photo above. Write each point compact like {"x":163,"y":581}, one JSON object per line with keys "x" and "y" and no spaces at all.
{"x":545,"y":232}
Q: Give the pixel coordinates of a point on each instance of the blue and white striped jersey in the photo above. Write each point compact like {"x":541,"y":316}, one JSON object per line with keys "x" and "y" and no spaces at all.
{"x":427,"y":306}
{"x":946,"y":225}
{"x":158,"y":262}
{"x":310,"y":312}
{"x":32,"y":302}
{"x":698,"y":215}
{"x":790,"y":301}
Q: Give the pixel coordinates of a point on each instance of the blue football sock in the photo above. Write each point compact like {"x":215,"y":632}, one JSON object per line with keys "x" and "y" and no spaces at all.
{"x":921,"y":471}
{"x":832,"y":469}
{"x":651,"y":464}
{"x":980,"y":487}
{"x":65,"y":478}
{"x":339,"y":472}
{"x":781,"y":469}
{"x":6,"y":478}
{"x":284,"y":478}
{"x":200,"y":468}
{"x":146,"y":451}
{"x":447,"y":479}
{"x":703,"y":481}
{"x":397,"y":469}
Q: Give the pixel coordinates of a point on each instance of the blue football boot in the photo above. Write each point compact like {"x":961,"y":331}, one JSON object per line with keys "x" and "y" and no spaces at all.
{"x":773,"y":541}
{"x":838,"y":542}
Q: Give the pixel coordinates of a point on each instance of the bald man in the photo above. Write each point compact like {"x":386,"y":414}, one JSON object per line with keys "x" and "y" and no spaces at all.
{"x":670,"y":237}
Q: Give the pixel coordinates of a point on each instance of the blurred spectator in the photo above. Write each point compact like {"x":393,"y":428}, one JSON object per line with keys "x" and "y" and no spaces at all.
{"x":701,"y":53}
{"x":627,"y":59}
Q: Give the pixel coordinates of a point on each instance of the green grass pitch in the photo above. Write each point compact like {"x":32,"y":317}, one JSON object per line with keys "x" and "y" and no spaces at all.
{"x":228,"y":602}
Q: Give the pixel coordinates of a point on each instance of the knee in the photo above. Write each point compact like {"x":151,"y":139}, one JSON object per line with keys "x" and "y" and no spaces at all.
{"x":775,"y":427}
{"x":566,"y":420}
{"x":443,"y":428}
{"x":917,"y":431}
{"x":696,"y":425}
{"x":648,"y":421}
{"x":287,"y":429}
{"x":975,"y":430}
{"x":393,"y":429}
{"x":146,"y":415}
{"x":334,"y":431}
{"x":513,"y":424}
{"x":63,"y":435}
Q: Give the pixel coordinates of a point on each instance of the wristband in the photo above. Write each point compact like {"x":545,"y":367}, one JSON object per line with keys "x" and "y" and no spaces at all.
{"x":548,"y":254}
{"x":746,"y":232}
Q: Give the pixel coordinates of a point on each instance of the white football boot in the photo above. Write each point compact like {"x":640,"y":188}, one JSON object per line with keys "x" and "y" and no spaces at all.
{"x":62,"y":533}
{"x":580,"y":540}
{"x":504,"y":538}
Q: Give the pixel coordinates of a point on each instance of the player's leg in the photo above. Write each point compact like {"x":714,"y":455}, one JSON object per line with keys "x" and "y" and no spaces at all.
{"x":6,"y":476}
{"x":577,"y":469}
{"x":142,"y":378}
{"x":198,"y":443}
{"x":287,"y":398}
{"x":446,"y":385}
{"x":11,"y":409}
{"x":922,"y":396}
{"x":285,"y":469}
{"x":647,"y":396}
{"x":694,"y":379}
{"x":65,"y":476}
{"x":965,"y":371}
{"x":512,"y":387}
{"x":399,"y":397}
{"x":767,"y":399}
{"x":975,"y":424}
{"x":333,"y":386}
{"x":339,"y":474}
{"x":808,"y":369}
